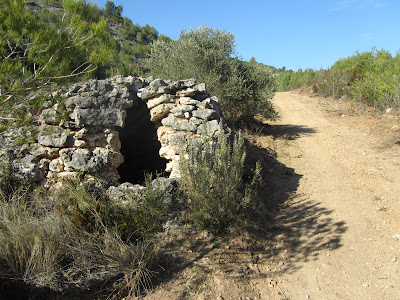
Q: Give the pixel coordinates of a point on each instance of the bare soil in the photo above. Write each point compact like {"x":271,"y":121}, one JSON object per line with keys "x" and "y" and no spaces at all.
{"x":332,"y":186}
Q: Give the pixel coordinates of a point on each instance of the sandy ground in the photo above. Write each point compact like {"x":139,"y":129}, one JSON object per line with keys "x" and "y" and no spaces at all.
{"x":334,"y":193}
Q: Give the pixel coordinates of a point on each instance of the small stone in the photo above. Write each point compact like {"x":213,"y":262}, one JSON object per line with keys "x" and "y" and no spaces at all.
{"x":178,"y":124}
{"x":396,"y":236}
{"x":56,"y":165}
{"x":160,"y":111}
{"x":165,"y":98}
{"x":102,"y":117}
{"x":80,"y":144}
{"x":44,"y":164}
{"x":205,"y":114}
{"x":49,"y":116}
{"x":179,"y":114}
{"x":186,"y":93}
{"x":188,"y":101}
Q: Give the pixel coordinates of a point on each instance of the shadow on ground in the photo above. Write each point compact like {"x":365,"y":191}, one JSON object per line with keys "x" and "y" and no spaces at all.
{"x":291,"y":228}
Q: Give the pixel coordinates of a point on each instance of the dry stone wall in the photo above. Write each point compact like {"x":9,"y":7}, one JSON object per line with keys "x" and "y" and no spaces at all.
{"x":81,"y":136}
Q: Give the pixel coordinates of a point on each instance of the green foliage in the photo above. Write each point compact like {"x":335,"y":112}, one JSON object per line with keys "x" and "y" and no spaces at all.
{"x":112,"y":11}
{"x":86,"y":10}
{"x":212,"y":178}
{"x":35,"y":54}
{"x":371,"y":77}
{"x":288,"y":80}
{"x":209,"y":55}
{"x":40,"y":47}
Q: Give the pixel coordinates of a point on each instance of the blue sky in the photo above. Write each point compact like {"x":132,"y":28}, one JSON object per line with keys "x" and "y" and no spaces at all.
{"x":291,"y":33}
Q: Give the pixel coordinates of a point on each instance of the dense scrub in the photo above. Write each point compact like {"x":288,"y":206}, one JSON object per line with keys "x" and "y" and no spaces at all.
{"x":67,"y":42}
{"x":75,"y":239}
{"x":209,"y":55}
{"x":370,"y":77}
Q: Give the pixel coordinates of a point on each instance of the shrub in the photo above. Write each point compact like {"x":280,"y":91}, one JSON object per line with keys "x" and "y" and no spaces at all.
{"x":209,"y":55}
{"x":371,"y":77}
{"x":212,"y":179}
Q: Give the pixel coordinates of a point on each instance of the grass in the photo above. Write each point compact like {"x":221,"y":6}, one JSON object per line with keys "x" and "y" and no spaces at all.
{"x":74,"y":238}
{"x":43,"y":246}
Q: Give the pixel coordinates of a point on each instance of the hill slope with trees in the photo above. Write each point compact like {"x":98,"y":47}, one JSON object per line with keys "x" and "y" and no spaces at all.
{"x":370,"y":77}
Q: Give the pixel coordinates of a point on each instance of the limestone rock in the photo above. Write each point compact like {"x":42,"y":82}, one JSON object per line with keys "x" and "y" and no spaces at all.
{"x":113,"y":141}
{"x":56,"y":165}
{"x":49,"y":116}
{"x":165,"y":98}
{"x":78,"y":101}
{"x":205,"y":114}
{"x":188,"y":101}
{"x":180,"y":84}
{"x":102,"y":157}
{"x":44,"y":164}
{"x":125,"y":194}
{"x":80,"y":143}
{"x":183,"y":108}
{"x":75,"y":159}
{"x":178,"y":139}
{"x":209,"y":129}
{"x":163,"y":133}
{"x":178,"y":124}
{"x":186,"y":92}
{"x":38,"y":151}
{"x":196,"y":121}
{"x":53,"y":136}
{"x":166,"y":187}
{"x":201,"y":88}
{"x":160,"y":111}
{"x":102,"y":117}
{"x":156,"y":87}
{"x":168,"y":152}
{"x":27,"y":169}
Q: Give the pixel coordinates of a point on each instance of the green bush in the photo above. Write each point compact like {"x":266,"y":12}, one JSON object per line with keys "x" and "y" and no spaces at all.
{"x":209,"y":55}
{"x":370,"y":77}
{"x":212,"y":179}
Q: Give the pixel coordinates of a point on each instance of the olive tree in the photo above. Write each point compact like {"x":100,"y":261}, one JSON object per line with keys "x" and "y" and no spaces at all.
{"x":210,"y":56}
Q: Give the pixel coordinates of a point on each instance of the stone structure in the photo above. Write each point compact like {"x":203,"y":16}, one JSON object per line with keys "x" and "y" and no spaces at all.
{"x":87,"y":133}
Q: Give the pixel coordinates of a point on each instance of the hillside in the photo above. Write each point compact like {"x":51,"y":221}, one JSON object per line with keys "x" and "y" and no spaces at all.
{"x":132,"y":42}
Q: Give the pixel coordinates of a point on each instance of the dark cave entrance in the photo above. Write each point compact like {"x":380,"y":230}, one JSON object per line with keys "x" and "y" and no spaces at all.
{"x":139,"y":146}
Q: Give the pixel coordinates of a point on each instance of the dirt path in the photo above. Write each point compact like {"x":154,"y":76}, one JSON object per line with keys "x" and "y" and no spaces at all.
{"x":333,"y":192}
{"x":353,"y":187}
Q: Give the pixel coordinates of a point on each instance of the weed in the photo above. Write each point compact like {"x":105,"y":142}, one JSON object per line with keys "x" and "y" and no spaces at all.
{"x":71,"y":239}
{"x":212,"y":178}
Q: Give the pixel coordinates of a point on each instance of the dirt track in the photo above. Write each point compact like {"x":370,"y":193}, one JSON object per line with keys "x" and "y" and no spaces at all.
{"x":334,"y":192}
{"x":348,"y":189}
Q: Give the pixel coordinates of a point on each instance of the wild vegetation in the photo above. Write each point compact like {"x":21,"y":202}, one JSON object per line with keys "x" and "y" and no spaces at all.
{"x":370,"y":77}
{"x":37,"y":44}
{"x":209,"y":55}
{"x":75,"y":239}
